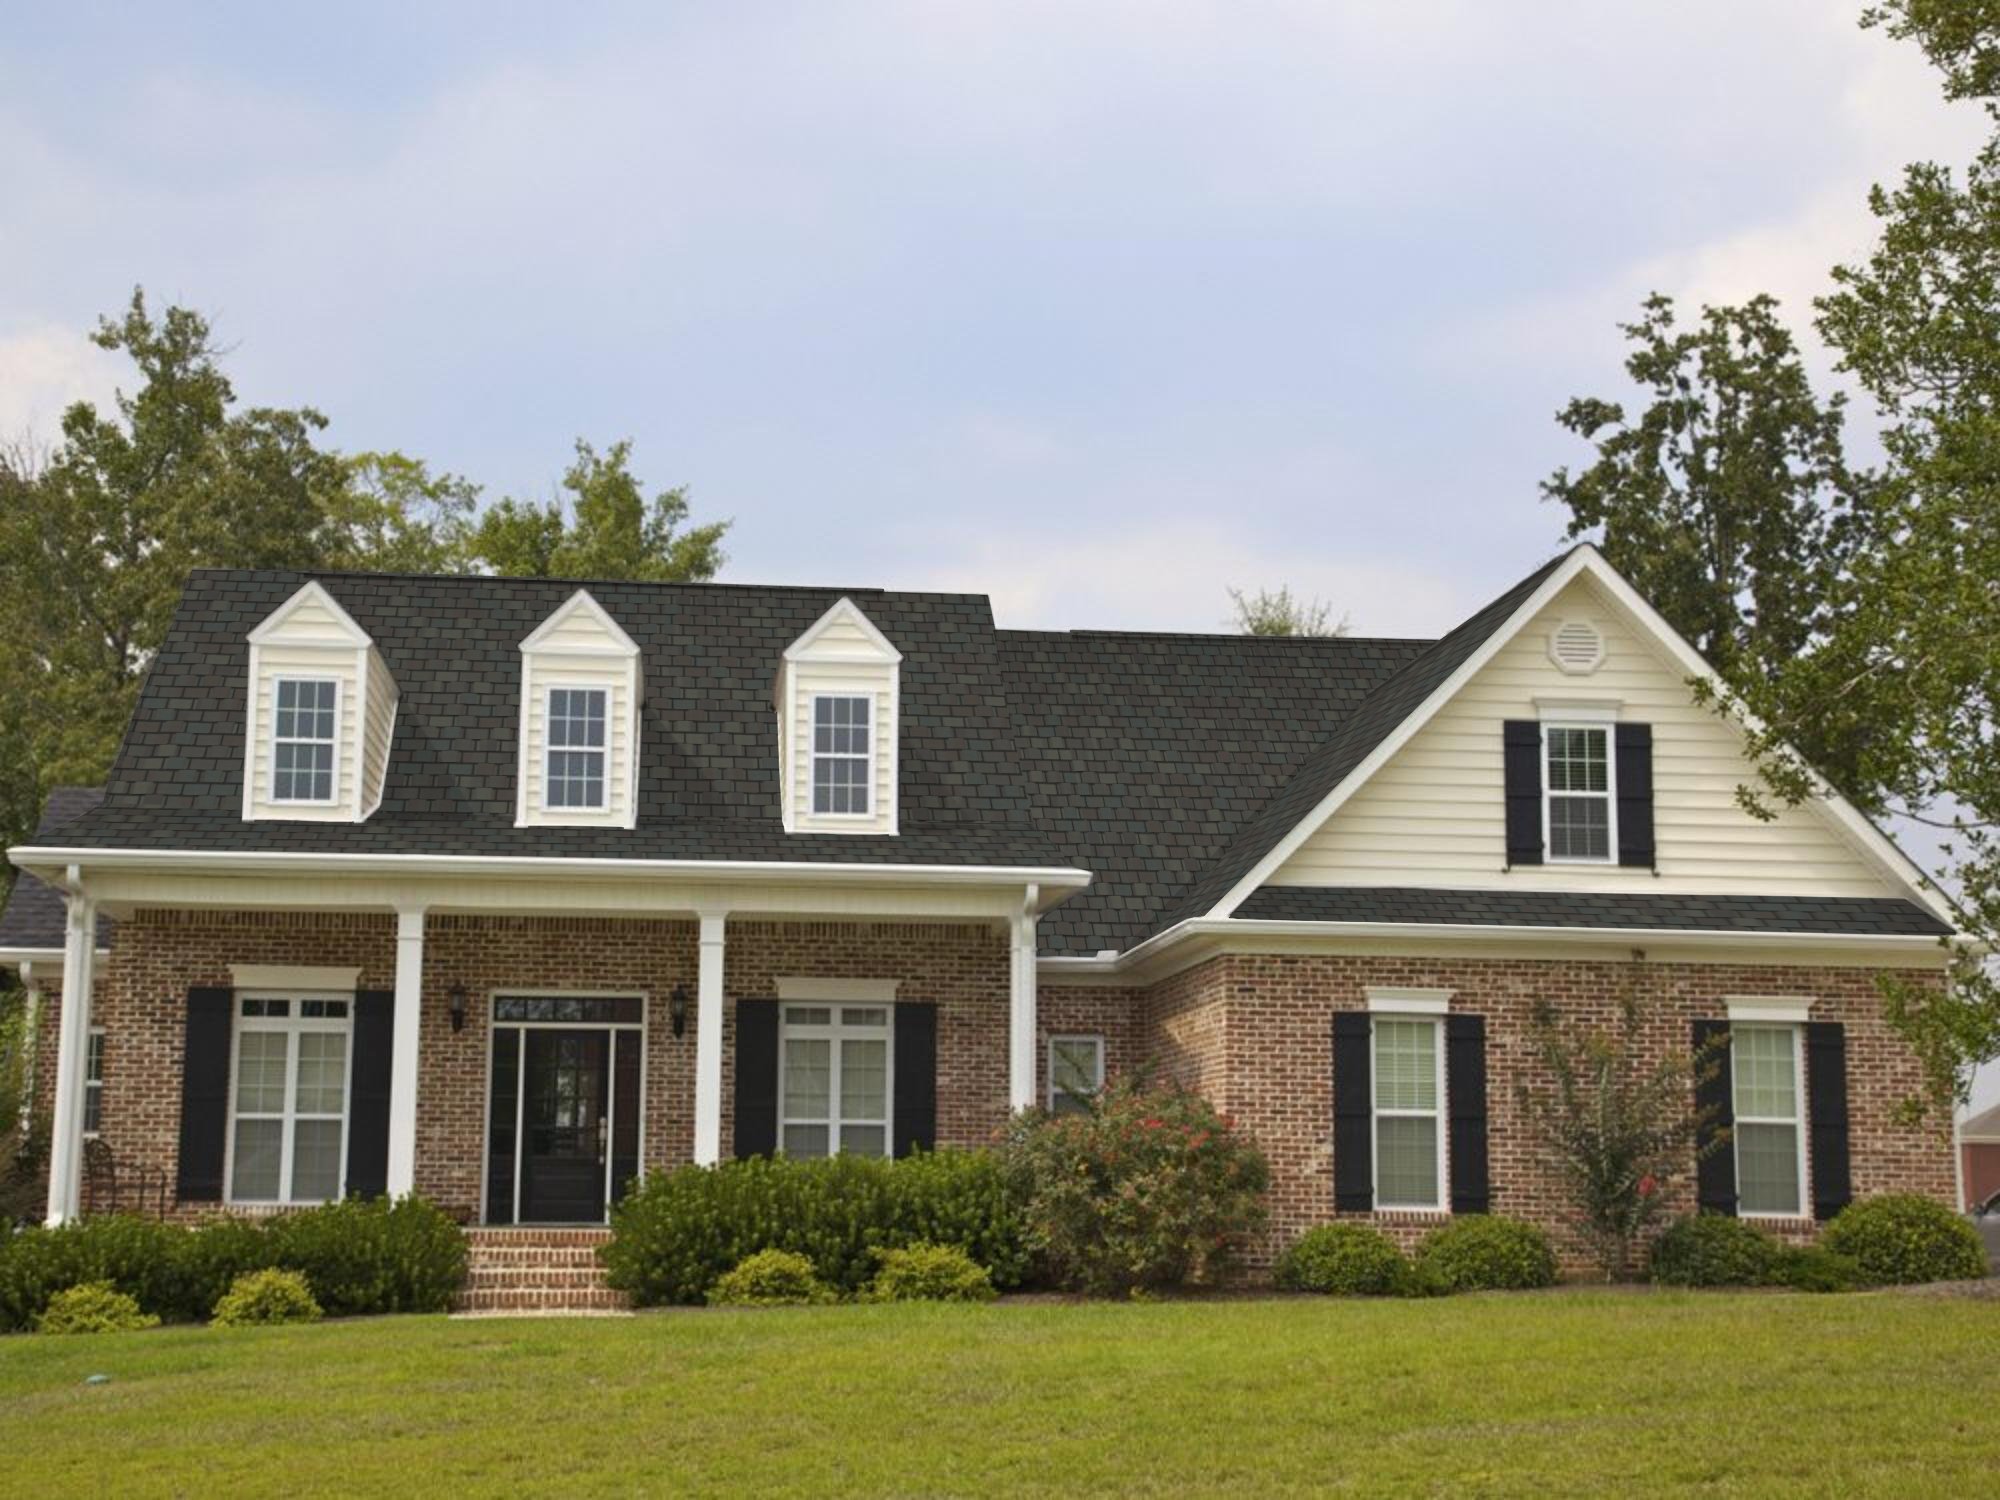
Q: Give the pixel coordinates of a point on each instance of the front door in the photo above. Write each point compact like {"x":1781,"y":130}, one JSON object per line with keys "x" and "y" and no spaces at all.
{"x":565,"y":1125}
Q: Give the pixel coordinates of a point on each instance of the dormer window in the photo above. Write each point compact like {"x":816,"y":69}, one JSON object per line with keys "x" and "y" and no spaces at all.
{"x":303,"y":739}
{"x":580,"y":700}
{"x":576,"y":748}
{"x":842,"y":765}
{"x":837,"y":701}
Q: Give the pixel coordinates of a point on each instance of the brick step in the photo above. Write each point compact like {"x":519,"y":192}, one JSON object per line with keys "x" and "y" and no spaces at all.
{"x":532,"y":1300}
{"x":502,"y":1277}
{"x":536,"y":1238}
{"x":482,"y":1256}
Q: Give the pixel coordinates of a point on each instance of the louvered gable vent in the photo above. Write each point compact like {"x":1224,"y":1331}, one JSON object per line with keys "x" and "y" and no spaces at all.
{"x":1577,"y":646}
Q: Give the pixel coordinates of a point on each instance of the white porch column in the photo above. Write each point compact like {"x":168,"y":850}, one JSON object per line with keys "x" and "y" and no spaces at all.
{"x":708,"y":1043}
{"x":406,"y":1033}
{"x":1021,"y":1009}
{"x":72,"y":1057}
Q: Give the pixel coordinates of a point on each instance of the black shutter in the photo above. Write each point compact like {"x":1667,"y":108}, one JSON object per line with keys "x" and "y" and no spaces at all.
{"x":1715,"y":1175}
{"x":1634,"y":744}
{"x":204,"y":1095}
{"x":915,"y":1125}
{"x":1353,"y":1120}
{"x":1826,"y":1097}
{"x":1522,"y":739}
{"x":368,"y":1111}
{"x":756,"y":1077}
{"x":1465,"y":1083}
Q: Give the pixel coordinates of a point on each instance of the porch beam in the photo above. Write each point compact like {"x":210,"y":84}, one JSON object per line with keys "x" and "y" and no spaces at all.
{"x":72,"y":1053}
{"x":1021,"y":1008}
{"x":708,"y":1042}
{"x":407,"y":1034}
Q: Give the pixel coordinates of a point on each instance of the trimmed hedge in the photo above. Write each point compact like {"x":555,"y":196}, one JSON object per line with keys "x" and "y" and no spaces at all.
{"x":1343,"y":1260}
{"x":1899,"y":1239}
{"x":359,"y":1257}
{"x":1814,"y":1268}
{"x":930,"y":1273}
{"x":270,"y":1296}
{"x":93,"y":1307}
{"x":1714,"y":1250}
{"x":770,"y":1278}
{"x":1487,"y":1253}
{"x":677,"y":1233}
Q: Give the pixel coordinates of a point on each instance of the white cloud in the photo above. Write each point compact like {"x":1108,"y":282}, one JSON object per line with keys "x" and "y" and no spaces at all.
{"x":43,"y":369}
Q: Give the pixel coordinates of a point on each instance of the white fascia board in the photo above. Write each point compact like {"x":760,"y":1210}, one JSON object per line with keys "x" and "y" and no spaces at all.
{"x":843,"y":608}
{"x":49,"y":960}
{"x":1060,"y":878}
{"x":622,"y":644}
{"x":312,"y":591}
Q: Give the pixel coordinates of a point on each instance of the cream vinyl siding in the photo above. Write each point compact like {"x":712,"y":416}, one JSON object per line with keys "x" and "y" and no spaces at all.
{"x":1435,"y":814}
{"x":275,"y":663}
{"x":310,"y":637}
{"x":378,"y":732}
{"x":580,"y":646}
{"x":842,"y":655}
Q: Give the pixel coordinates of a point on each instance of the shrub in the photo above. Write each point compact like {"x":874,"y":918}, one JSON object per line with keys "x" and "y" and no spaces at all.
{"x":1147,"y":1189}
{"x":372,"y":1255}
{"x":1815,"y":1268}
{"x":142,"y":1258}
{"x":1714,"y":1250}
{"x":1485,"y":1252}
{"x":1900,"y":1238}
{"x":93,"y":1307}
{"x":930,"y":1273}
{"x":271,"y":1296}
{"x":770,"y":1278}
{"x":1343,"y":1260}
{"x":677,"y":1232}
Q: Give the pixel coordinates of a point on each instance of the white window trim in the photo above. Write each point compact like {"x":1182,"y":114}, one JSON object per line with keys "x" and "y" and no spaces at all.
{"x":1756,"y":1009}
{"x":294,"y":1024}
{"x":332,"y":799}
{"x":603,"y":804}
{"x":93,"y":1086}
{"x":1575,"y":719}
{"x":811,"y":991}
{"x":814,"y":755}
{"x":1095,"y":1043}
{"x":1797,"y":1121}
{"x":1395,"y":1000}
{"x":833,"y":1032}
{"x":1437,"y":1112}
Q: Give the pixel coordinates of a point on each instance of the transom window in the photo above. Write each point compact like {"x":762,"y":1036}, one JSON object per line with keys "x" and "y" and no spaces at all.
{"x":288,"y":1100}
{"x":1769,"y":1139}
{"x":576,"y":747}
{"x":1409,"y":1145}
{"x":1076,"y":1073}
{"x":833,"y":1083}
{"x":1577,"y":791}
{"x":842,"y":759}
{"x":302,"y":739}
{"x":93,"y":1083}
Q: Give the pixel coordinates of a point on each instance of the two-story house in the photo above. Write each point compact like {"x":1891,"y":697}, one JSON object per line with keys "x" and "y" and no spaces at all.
{"x":508,"y":891}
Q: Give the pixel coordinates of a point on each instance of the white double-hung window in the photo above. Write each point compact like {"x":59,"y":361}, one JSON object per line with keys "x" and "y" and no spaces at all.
{"x":303,"y":737}
{"x":833,"y":1083}
{"x":1408,"y":1058}
{"x":1076,"y":1073}
{"x":576,"y":748}
{"x":1769,"y":1130}
{"x":843,"y":761}
{"x":288,"y":1098}
{"x":1577,"y":793}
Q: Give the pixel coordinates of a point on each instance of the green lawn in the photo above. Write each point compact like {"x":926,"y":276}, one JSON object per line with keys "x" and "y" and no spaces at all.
{"x":1573,"y":1392}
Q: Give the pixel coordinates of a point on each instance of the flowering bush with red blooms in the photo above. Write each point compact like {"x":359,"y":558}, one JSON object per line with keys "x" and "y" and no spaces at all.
{"x":1149,"y":1189}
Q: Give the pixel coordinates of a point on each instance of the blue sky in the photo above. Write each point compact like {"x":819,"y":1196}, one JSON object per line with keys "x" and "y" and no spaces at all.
{"x":1099,"y":308}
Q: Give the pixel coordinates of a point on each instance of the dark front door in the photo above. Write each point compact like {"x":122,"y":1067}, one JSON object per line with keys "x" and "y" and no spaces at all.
{"x":565,"y":1122}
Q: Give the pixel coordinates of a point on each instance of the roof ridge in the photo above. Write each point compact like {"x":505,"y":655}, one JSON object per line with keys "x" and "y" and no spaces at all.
{"x":1096,"y":633}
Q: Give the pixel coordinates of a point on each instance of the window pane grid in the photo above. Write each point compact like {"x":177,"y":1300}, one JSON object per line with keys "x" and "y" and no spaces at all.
{"x":302,"y":740}
{"x":1076,"y":1072}
{"x":1406,"y":1089}
{"x":835,"y":1075}
{"x":93,"y":1084}
{"x":575,"y":754}
{"x":1577,"y":782}
{"x":1764,"y":1088}
{"x":842,"y":756}
{"x":288,"y":1100}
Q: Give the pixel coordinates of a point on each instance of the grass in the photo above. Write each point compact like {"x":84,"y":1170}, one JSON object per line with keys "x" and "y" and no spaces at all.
{"x":1580,"y":1392}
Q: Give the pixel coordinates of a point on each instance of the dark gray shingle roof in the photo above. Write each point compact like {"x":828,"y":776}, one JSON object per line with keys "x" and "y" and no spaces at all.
{"x":1858,"y":915}
{"x":34,"y":914}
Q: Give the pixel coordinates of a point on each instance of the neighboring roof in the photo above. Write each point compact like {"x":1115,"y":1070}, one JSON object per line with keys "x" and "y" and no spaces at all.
{"x":1984,"y":1126}
{"x":1335,"y":757}
{"x":1860,"y":915}
{"x":34,"y":916}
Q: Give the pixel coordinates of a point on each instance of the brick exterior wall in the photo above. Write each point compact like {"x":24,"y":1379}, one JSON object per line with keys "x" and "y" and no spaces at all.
{"x":1252,"y":1032}
{"x":1263,"y":1026}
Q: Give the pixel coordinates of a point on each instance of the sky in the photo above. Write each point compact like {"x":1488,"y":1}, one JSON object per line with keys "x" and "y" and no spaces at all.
{"x":1097,"y":308}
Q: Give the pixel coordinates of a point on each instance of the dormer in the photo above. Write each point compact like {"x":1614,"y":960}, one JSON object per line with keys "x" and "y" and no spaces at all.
{"x":838,"y":702}
{"x":320,"y":717}
{"x":580,"y":695}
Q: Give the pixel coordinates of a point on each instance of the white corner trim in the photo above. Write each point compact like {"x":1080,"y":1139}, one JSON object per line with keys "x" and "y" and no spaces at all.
{"x":1400,"y":1000}
{"x":294,"y":977}
{"x":877,"y":991}
{"x":1768,"y":1008}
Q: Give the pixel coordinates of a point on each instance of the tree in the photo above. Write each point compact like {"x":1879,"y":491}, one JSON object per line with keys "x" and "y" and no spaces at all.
{"x":1727,"y":499}
{"x":1276,"y":612}
{"x":606,"y":528}
{"x":392,"y":515}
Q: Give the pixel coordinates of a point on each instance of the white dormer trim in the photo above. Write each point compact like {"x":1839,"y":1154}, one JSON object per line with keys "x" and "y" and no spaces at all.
{"x":334,"y":648}
{"x":350,"y":634}
{"x":610,"y":663}
{"x":828,"y":661}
